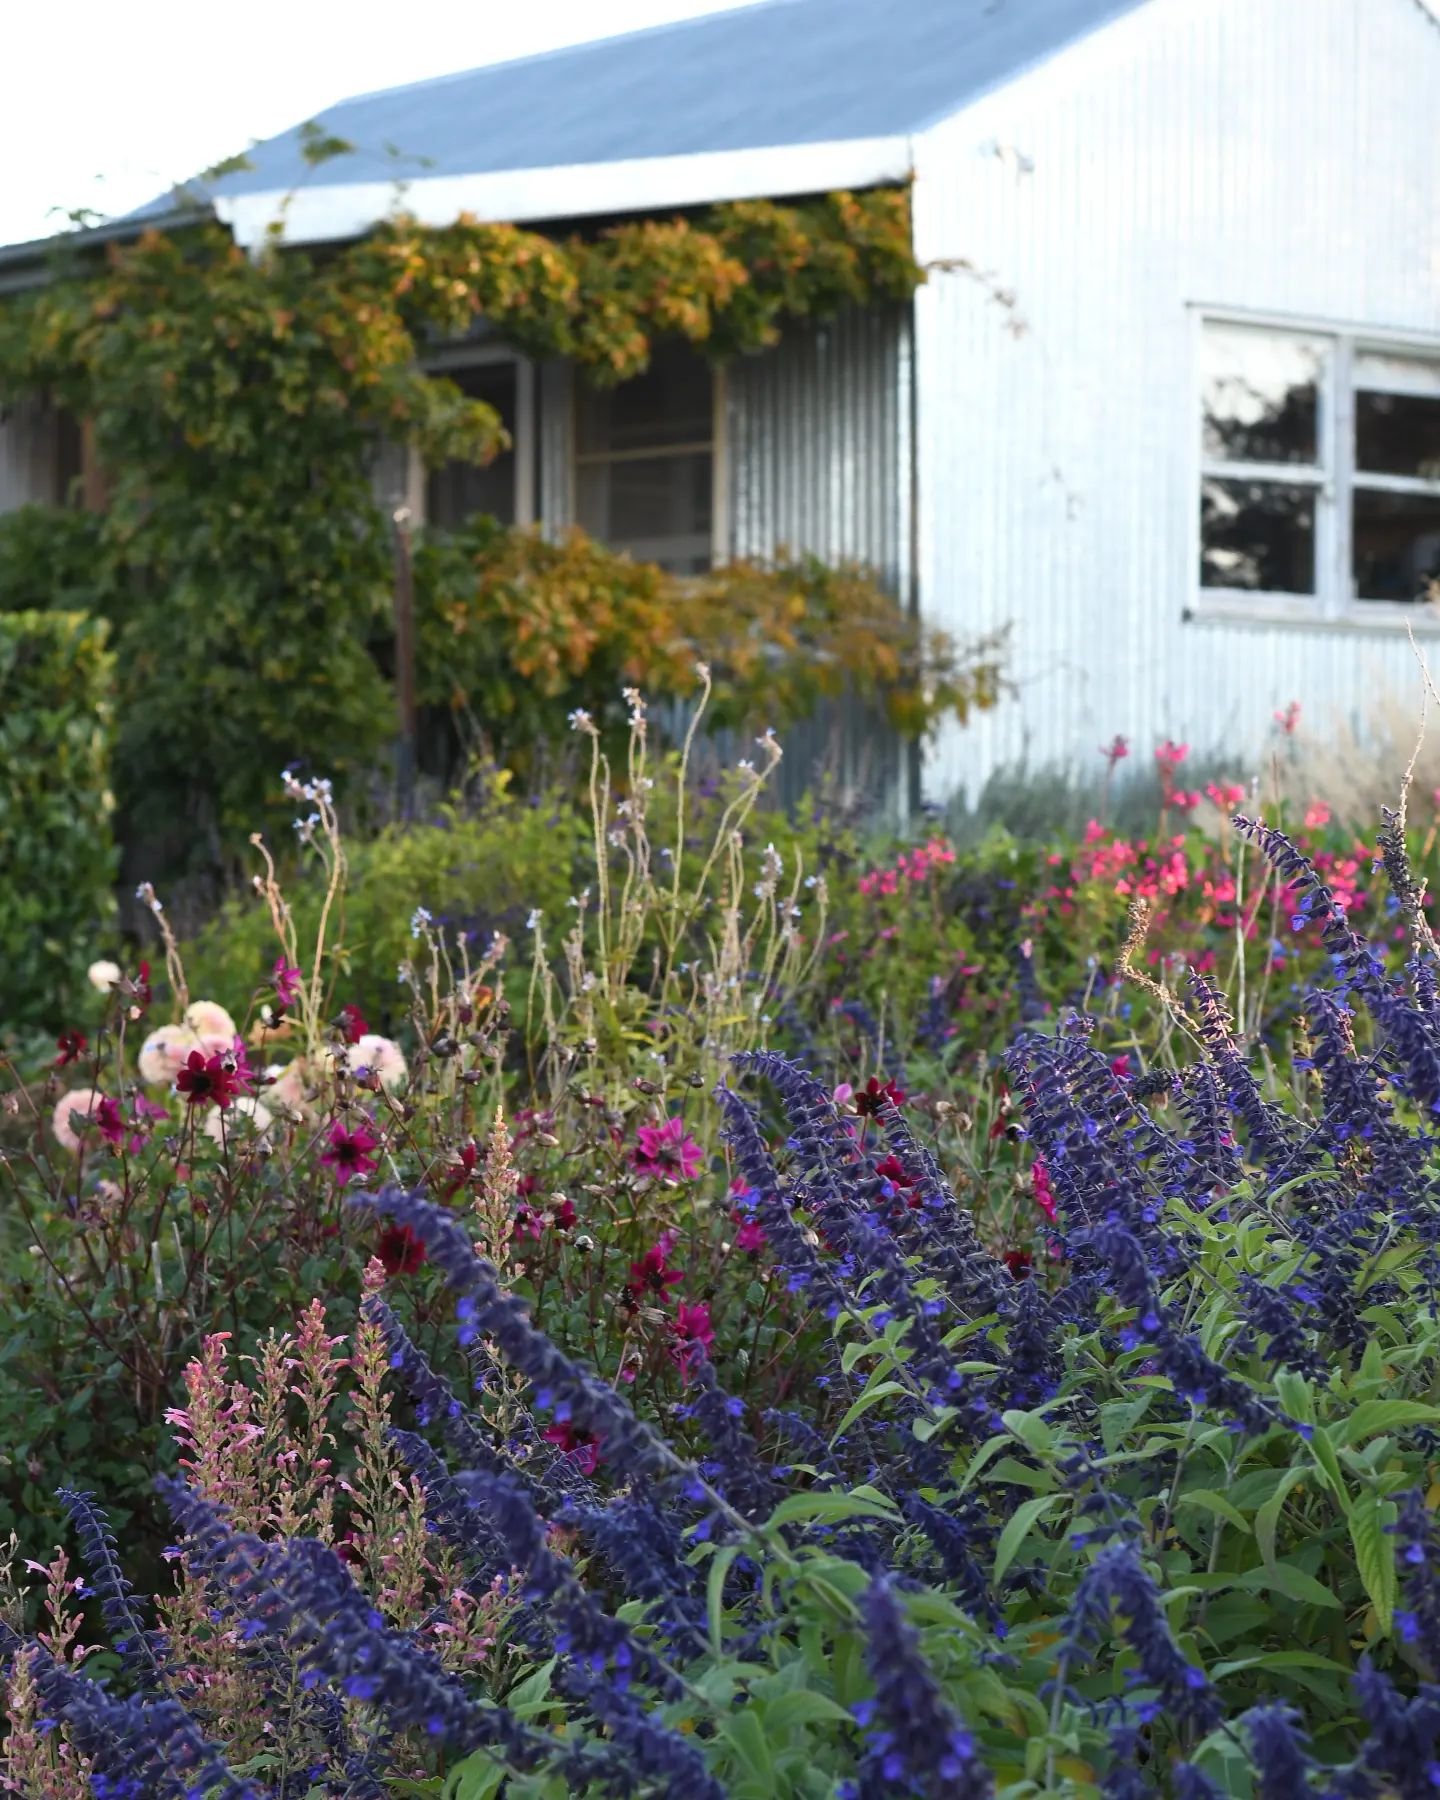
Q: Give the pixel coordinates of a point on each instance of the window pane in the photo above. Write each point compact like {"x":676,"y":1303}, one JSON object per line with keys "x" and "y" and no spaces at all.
{"x":656,"y":507}
{"x":1257,"y":535}
{"x":1397,"y":545}
{"x":458,"y":490}
{"x":1261,"y":395}
{"x":1398,"y":434}
{"x":673,"y":402}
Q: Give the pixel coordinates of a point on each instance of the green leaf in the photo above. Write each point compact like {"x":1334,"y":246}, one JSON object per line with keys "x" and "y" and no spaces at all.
{"x":1372,"y":1417}
{"x":1209,"y":1501}
{"x":1375,"y":1554}
{"x":746,"y":1734}
{"x":715,"y":1594}
{"x":1016,"y":1530}
{"x":803,"y":1708}
{"x":871,"y":1396}
{"x":1031,"y":1430}
{"x":1267,"y":1519}
{"x":830,"y":1509}
{"x":532,"y":1695}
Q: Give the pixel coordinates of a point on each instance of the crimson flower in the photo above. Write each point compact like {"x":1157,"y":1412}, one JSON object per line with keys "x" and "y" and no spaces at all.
{"x":286,"y":982}
{"x":353,"y":1024}
{"x":1040,"y":1184}
{"x":750,"y":1235}
{"x":563,"y":1214}
{"x":652,"y":1274}
{"x":399,"y":1249}
{"x":694,"y":1334}
{"x":350,"y":1154}
{"x":461,"y":1172}
{"x":874,"y":1094}
{"x":110,"y":1122}
{"x":582,"y":1447}
{"x":1120,"y":1067}
{"x":1019,"y":1263}
{"x":667,"y":1152}
{"x":72,"y":1046}
{"x":213,"y":1080}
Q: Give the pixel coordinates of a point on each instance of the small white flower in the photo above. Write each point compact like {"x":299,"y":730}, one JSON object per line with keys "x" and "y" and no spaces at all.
{"x":402,"y":974}
{"x":102,"y":976}
{"x":667,"y":854}
{"x":745,"y":766}
{"x":419,"y":920}
{"x":616,"y":840}
{"x":810,"y":881}
{"x":702,"y":669}
{"x":580,"y":720}
{"x":533,"y":922}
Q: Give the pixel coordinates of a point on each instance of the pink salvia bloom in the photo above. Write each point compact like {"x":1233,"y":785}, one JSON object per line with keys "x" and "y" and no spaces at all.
{"x":1116,"y":750}
{"x":1289,"y":718}
{"x":667,"y":1152}
{"x":1170,"y":755}
{"x":1316,"y":815}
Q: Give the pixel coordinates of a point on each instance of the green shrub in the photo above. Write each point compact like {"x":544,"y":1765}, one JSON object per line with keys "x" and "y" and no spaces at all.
{"x":57,"y":857}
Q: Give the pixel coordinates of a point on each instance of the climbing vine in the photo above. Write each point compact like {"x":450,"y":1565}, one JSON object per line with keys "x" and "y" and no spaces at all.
{"x":237,"y":401}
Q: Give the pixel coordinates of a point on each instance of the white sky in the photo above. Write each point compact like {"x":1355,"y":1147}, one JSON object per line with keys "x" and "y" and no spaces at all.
{"x":106,"y":103}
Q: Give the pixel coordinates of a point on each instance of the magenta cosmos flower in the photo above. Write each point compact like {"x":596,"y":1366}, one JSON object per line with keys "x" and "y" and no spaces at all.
{"x":350,"y":1155}
{"x":287,"y":982}
{"x":667,"y":1152}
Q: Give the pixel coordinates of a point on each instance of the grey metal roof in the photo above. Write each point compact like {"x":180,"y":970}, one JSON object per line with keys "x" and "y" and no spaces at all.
{"x":786,"y":72}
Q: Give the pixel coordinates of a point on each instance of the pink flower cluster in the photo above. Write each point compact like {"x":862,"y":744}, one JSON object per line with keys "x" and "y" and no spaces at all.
{"x":910,"y":865}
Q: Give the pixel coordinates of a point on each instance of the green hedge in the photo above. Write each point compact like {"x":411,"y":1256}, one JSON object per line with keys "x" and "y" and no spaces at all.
{"x":57,"y":853}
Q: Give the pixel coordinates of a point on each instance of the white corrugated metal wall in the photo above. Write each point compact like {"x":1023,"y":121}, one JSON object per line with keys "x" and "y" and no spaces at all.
{"x":1272,"y":155}
{"x":818,"y":458}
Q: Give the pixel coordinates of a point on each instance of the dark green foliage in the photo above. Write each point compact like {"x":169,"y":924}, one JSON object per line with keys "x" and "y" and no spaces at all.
{"x":57,"y":857}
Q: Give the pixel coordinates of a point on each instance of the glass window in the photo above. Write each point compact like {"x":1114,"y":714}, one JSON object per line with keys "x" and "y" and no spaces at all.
{"x":1258,"y":536}
{"x":457,"y":491}
{"x":1396,"y":545}
{"x":1262,"y":443}
{"x":1261,"y":396}
{"x":645,"y":459}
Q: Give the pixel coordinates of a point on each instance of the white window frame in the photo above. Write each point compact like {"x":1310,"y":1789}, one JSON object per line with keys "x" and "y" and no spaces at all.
{"x":1334,"y":604}
{"x":719,"y":461}
{"x":454,"y":360}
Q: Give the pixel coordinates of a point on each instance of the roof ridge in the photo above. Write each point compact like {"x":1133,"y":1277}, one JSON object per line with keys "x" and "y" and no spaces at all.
{"x":544,"y":56}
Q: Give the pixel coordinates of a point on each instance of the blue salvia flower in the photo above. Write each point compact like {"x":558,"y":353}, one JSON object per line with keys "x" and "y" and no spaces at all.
{"x":141,"y":1651}
{"x":1191,"y":1783}
{"x":561,"y":1385}
{"x":150,"y":1748}
{"x":1117,"y":1587}
{"x":1279,"y":1752}
{"x":583,"y":1630}
{"x":1418,"y":1556}
{"x":976,"y":1281}
{"x":637,"y":1539}
{"x":452,"y":1512}
{"x":1122,"y":1779}
{"x":1403,"y":1734}
{"x":1273,"y":1142}
{"x":1210,"y":1148}
{"x":1357,"y":967}
{"x":660,"y":1756}
{"x":963,"y":1540}
{"x":869,"y":1257}
{"x":794,"y":1255}
{"x":1271,"y":1315}
{"x":301,"y":1594}
{"x":916,"y":1738}
{"x":1196,"y":1376}
{"x":738,"y":1472}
